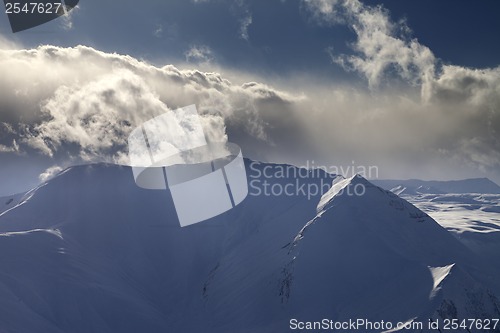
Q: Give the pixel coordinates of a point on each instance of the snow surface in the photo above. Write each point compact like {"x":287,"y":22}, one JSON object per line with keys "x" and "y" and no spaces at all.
{"x":474,"y":185}
{"x":89,"y":251}
{"x":381,"y":250}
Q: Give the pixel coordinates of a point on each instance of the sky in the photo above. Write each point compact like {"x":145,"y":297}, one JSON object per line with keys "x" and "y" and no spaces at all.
{"x":410,"y":87}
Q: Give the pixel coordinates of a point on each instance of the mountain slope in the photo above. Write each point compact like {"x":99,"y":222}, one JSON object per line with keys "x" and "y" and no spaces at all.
{"x":126,"y":262}
{"x":90,"y":251}
{"x":379,"y":249}
{"x":459,"y":296}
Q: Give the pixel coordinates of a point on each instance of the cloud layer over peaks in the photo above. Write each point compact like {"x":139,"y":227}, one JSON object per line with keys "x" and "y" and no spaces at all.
{"x":58,"y":108}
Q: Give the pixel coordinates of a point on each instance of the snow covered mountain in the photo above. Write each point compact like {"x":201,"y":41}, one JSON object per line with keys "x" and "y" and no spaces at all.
{"x":89,"y":251}
{"x":412,"y":186}
{"x":10,"y":201}
{"x":382,"y":257}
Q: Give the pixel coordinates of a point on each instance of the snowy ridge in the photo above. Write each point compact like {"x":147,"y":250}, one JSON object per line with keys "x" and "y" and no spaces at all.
{"x":395,"y":245}
{"x":459,"y":296}
{"x":474,"y":185}
{"x":90,"y":251}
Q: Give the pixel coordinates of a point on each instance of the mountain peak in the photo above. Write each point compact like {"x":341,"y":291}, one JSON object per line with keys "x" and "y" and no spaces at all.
{"x":355,"y":186}
{"x":91,"y":235}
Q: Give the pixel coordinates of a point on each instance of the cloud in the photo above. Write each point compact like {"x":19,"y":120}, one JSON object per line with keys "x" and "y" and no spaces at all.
{"x":456,"y":118}
{"x":67,"y":19}
{"x":381,"y":46}
{"x":13,"y":148}
{"x":74,"y":115}
{"x":245,"y":22}
{"x":471,"y":100}
{"x":96,"y":116}
{"x":64,"y":112}
{"x":7,"y":44}
{"x":241,"y":11}
{"x":50,"y":173}
{"x":442,"y":121}
{"x":7,"y":143}
{"x":200,"y":54}
{"x":158,"y":32}
{"x":457,"y":84}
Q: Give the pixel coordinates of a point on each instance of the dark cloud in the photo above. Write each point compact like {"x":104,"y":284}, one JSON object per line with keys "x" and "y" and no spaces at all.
{"x":87,"y":115}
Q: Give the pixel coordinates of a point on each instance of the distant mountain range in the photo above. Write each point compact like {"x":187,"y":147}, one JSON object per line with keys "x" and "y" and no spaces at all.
{"x":89,"y":251}
{"x":413,"y":186}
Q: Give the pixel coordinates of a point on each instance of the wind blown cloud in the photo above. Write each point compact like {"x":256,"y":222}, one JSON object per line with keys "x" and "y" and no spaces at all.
{"x":381,"y":45}
{"x":87,"y":115}
{"x":13,"y":148}
{"x":50,"y":173}
{"x":458,"y":114}
{"x":245,"y":23}
{"x":199,"y":54}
